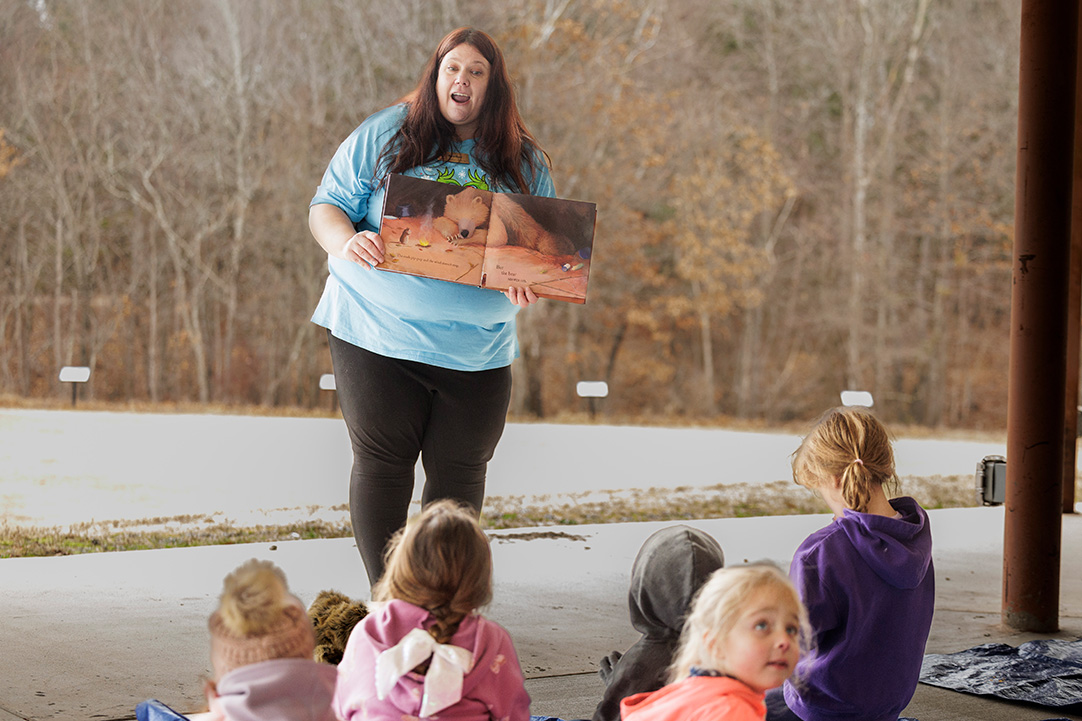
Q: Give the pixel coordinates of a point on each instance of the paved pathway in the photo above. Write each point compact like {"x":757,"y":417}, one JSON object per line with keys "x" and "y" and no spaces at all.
{"x":63,"y":467}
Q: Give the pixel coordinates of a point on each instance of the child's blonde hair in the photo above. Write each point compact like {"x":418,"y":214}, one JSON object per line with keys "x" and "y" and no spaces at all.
{"x":440,"y":561}
{"x":850,"y":444}
{"x":717,"y":607}
{"x":257,"y":619}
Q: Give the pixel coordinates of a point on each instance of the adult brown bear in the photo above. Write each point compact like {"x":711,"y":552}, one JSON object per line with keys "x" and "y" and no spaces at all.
{"x":466,"y":219}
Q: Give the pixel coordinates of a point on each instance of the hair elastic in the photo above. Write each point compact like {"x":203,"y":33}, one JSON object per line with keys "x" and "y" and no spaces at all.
{"x":857,"y":460}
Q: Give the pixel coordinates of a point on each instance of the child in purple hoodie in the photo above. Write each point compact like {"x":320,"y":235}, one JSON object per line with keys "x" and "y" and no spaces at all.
{"x":866,"y":579}
{"x":424,"y":650}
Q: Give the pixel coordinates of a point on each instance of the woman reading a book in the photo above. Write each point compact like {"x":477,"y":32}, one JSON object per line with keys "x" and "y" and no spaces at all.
{"x":422,"y":366}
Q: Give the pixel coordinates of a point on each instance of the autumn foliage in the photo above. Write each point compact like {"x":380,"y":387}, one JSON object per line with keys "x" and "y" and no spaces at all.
{"x":794,"y":196}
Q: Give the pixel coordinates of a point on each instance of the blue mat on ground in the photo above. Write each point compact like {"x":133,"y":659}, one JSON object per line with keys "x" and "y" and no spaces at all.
{"x":155,"y":710}
{"x":1045,"y":672}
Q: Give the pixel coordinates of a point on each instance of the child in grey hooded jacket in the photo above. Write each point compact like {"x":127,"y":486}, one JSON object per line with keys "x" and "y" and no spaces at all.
{"x":669,"y":569}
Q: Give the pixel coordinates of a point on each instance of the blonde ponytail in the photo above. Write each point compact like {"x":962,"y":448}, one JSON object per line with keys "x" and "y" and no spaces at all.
{"x":849,"y":444}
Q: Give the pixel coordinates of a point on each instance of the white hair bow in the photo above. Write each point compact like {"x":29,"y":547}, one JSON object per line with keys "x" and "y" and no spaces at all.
{"x":443,"y":682}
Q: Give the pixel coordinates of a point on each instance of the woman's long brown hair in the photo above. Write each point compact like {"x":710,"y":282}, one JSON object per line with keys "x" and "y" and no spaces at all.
{"x":503,"y":144}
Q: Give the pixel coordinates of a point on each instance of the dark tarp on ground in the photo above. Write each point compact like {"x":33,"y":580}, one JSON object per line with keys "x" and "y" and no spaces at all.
{"x":1045,"y":672}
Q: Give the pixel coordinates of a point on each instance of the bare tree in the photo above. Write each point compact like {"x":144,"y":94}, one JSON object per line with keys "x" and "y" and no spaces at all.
{"x":154,"y":224}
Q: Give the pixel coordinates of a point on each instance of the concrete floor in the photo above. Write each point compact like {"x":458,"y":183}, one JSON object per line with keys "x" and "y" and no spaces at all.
{"x":88,"y":637}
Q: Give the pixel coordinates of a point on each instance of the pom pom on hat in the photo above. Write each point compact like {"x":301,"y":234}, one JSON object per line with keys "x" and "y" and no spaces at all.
{"x":257,"y":620}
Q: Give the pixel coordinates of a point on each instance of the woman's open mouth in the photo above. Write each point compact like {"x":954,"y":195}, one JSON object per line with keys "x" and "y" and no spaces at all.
{"x":460,"y":98}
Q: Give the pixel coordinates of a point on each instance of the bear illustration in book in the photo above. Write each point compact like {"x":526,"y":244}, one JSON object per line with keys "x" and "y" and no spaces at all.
{"x":466,"y":219}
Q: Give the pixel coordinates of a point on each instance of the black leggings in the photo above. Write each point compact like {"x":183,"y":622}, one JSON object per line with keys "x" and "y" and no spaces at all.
{"x":396,"y":409}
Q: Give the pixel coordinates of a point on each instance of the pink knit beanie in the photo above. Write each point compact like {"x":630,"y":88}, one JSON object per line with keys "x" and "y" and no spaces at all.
{"x":258,"y":620}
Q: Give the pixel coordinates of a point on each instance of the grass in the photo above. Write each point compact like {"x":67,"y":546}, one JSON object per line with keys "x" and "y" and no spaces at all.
{"x":780,"y":498}
{"x":178,"y":532}
{"x":500,"y":512}
{"x":62,"y":402}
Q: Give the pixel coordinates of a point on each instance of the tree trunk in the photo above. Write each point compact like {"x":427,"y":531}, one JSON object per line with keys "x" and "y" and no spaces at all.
{"x":706,"y":342}
{"x":860,"y":180}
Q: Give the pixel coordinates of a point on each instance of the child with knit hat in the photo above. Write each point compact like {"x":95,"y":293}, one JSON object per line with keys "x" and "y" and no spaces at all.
{"x":261,"y":646}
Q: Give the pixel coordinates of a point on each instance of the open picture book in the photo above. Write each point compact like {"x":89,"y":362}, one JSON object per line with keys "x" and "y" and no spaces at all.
{"x":487,"y":239}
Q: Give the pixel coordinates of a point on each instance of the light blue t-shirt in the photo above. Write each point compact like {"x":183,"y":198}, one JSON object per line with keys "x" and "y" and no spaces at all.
{"x":403,"y":316}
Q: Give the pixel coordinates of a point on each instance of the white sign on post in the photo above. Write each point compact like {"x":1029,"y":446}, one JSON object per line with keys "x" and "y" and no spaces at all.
{"x":857,"y":398}
{"x":74,"y":374}
{"x":592,"y":389}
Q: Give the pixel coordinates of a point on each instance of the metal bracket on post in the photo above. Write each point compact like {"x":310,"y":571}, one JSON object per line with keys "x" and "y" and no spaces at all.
{"x":992,"y":480}
{"x":74,"y":375}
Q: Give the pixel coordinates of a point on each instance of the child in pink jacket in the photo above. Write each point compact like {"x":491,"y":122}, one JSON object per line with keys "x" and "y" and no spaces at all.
{"x":424,"y":650}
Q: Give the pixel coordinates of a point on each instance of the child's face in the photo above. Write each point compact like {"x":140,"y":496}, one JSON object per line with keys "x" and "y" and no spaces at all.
{"x":763,"y":646}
